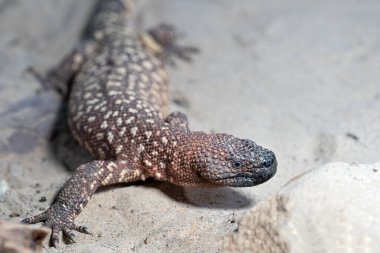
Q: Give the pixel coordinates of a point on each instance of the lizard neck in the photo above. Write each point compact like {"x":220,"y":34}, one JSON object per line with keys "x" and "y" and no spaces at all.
{"x":182,"y":168}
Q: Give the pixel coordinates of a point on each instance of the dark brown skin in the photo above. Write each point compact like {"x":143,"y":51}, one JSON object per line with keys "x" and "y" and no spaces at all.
{"x":117,"y":109}
{"x":220,"y":160}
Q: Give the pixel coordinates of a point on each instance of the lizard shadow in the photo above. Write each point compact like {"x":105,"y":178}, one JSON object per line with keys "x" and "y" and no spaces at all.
{"x":211,"y":198}
{"x":62,"y":144}
{"x":41,"y":118}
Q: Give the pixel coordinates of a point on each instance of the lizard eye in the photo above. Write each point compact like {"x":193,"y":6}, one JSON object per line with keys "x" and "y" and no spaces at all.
{"x":236,"y":164}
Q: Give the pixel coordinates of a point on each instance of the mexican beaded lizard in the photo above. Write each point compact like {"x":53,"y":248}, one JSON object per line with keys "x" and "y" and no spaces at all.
{"x":117,"y":104}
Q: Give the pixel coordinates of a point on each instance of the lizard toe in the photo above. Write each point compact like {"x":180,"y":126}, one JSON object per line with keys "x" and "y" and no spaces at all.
{"x":38,"y":218}
{"x":82,"y":229}
{"x":54,"y":239}
{"x":68,"y":235}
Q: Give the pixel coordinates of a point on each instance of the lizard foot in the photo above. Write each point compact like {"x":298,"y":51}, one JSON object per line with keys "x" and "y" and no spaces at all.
{"x":166,"y":36}
{"x":58,"y":219}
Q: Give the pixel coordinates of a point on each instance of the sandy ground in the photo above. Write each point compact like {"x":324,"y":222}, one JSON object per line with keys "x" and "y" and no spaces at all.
{"x":299,"y":78}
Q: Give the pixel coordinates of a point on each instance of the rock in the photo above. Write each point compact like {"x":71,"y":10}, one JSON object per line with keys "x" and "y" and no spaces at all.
{"x":19,"y":238}
{"x":330,"y":209}
{"x":3,"y":187}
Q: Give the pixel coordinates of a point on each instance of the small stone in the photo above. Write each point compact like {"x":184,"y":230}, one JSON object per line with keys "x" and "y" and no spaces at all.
{"x":14,"y":214}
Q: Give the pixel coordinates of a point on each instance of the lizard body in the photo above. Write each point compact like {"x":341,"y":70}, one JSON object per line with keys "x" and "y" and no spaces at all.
{"x":118,"y":107}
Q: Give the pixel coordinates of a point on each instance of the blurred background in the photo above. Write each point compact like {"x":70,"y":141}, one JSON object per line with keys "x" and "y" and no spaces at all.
{"x":298,"y":77}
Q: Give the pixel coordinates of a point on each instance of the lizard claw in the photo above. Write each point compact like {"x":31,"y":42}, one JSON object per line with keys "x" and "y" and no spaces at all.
{"x":182,"y":52}
{"x":58,"y":219}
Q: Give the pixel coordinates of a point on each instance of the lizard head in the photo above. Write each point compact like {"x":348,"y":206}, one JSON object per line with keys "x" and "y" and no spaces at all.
{"x":224,"y":160}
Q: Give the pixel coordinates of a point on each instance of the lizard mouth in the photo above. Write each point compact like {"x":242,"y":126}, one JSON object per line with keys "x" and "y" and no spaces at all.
{"x":255,"y":177}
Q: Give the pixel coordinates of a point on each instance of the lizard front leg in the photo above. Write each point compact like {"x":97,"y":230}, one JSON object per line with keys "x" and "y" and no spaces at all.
{"x":178,"y":120}
{"x":76,"y":193}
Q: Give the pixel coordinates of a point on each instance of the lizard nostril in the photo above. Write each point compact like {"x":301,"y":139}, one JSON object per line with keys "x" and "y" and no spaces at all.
{"x":269,"y":161}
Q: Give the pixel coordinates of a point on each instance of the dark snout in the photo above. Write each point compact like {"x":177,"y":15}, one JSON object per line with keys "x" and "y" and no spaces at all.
{"x":267,"y":171}
{"x":257,"y":175}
